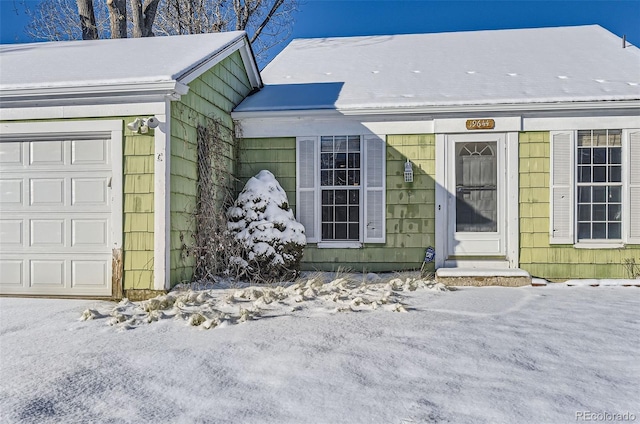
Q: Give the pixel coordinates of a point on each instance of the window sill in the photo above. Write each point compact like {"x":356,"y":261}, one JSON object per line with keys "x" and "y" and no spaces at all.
{"x":339,"y":245}
{"x":599,"y":245}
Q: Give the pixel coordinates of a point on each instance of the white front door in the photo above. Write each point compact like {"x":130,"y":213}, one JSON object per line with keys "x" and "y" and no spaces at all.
{"x":475,"y":185}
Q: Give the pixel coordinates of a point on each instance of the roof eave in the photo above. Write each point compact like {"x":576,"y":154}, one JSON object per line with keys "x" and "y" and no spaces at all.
{"x":443,"y":109}
{"x":129,"y":92}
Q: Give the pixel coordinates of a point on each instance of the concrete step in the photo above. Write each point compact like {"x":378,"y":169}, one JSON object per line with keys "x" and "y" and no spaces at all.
{"x":512,"y":277}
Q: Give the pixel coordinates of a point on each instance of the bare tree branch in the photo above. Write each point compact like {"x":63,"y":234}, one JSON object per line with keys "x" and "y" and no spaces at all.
{"x":265,"y":22}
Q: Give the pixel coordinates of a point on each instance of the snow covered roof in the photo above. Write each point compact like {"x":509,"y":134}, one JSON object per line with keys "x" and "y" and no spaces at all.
{"x":544,"y":65}
{"x":77,"y":67}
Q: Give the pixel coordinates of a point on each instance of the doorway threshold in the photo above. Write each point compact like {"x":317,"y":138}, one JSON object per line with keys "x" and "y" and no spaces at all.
{"x":512,"y":277}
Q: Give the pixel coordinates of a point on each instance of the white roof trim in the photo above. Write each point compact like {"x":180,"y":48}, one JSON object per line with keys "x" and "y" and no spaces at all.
{"x":432,"y":110}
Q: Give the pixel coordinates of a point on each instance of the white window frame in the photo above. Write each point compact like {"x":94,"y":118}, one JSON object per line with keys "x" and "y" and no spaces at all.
{"x":563,"y":183}
{"x":372,"y":188}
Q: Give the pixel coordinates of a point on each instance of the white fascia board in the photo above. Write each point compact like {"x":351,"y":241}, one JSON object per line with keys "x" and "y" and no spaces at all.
{"x":92,"y":95}
{"x":81,"y":111}
{"x":241,"y":44}
{"x":446,"y":109}
{"x":300,"y":127}
{"x":585,"y":122}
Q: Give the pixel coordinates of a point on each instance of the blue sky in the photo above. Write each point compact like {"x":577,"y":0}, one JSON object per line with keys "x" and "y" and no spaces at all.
{"x":331,"y":18}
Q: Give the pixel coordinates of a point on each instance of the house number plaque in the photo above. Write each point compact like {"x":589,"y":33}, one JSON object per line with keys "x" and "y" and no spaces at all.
{"x":481,"y":124}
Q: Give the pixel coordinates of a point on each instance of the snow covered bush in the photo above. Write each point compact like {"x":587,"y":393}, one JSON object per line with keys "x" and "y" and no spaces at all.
{"x":273,"y":241}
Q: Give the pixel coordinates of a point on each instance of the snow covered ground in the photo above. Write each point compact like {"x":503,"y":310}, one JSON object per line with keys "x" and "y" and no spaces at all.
{"x":340,"y":352}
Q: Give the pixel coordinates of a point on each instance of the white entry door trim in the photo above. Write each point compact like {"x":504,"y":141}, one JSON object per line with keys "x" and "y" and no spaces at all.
{"x":492,"y":249}
{"x":60,"y":206}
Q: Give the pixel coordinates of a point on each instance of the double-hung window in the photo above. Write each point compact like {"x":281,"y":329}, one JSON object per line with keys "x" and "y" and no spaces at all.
{"x":595,"y":187}
{"x":340,"y":189}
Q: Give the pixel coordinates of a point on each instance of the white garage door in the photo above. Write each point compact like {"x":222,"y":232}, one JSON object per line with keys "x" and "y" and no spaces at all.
{"x":56,"y":216}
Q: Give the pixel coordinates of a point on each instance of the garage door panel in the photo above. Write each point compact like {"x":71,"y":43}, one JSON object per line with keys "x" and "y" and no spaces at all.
{"x":89,"y":232}
{"x":90,"y":152}
{"x":48,"y":233}
{"x":11,"y":154}
{"x":11,"y":231}
{"x":10,"y":192}
{"x":89,"y":191}
{"x":47,"y":192}
{"x":89,"y":273}
{"x":48,"y":272}
{"x":11,"y":273}
{"x":47,"y":152}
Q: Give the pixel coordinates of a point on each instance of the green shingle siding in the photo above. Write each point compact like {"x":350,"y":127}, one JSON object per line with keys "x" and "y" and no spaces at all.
{"x":138,"y":208}
{"x":410,"y":209}
{"x":212,"y":95}
{"x":537,"y":256}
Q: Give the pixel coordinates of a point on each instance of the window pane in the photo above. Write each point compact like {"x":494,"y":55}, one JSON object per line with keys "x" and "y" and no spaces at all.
{"x":340,"y":144}
{"x":354,"y":214}
{"x":354,"y":178}
{"x":341,"y":231}
{"x":354,"y":143}
{"x":327,"y":213}
{"x":599,"y":231}
{"x":584,"y":194}
{"x":326,"y":178}
{"x":615,"y":231}
{"x":599,"y":174}
{"x":584,"y":156}
{"x":599,"y":155}
{"x":599,"y":194}
{"x":615,"y":155}
{"x":327,"y":231}
{"x":599,"y":137}
{"x":584,"y":138}
{"x":354,"y":197}
{"x":340,"y":178}
{"x":584,"y":213}
{"x":327,"y":197}
{"x":599,"y":212}
{"x":615,"y":194}
{"x":584,"y":231}
{"x":615,"y":137}
{"x":615,"y":174}
{"x":354,"y":160}
{"x":326,"y":160}
{"x":354,"y":233}
{"x":341,"y":214}
{"x":615,"y":212}
{"x":326,"y":144}
{"x":341,"y":197}
{"x":584,"y":174}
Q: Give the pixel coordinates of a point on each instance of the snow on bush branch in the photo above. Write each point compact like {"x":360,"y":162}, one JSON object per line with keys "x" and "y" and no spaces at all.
{"x":261,"y":221}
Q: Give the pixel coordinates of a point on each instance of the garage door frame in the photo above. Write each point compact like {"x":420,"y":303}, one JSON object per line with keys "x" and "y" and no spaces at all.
{"x":79,"y":129}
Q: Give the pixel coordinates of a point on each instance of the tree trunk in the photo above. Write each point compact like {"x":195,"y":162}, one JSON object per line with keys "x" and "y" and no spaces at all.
{"x":118,"y":18}
{"x":143,"y":16}
{"x":87,"y":19}
{"x":149,"y":10}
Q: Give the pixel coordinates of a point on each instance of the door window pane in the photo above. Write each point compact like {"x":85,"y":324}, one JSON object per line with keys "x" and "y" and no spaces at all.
{"x":476,"y":187}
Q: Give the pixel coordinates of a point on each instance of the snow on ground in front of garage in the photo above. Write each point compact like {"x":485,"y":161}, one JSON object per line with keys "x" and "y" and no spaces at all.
{"x":471,"y":355}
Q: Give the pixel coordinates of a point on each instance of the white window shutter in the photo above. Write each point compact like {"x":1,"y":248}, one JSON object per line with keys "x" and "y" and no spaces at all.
{"x":306,"y":181}
{"x":561,"y":187}
{"x":633,"y":165}
{"x":374,"y":189}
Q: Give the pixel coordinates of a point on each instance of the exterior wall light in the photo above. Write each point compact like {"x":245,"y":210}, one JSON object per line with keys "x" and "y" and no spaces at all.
{"x":408,"y":172}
